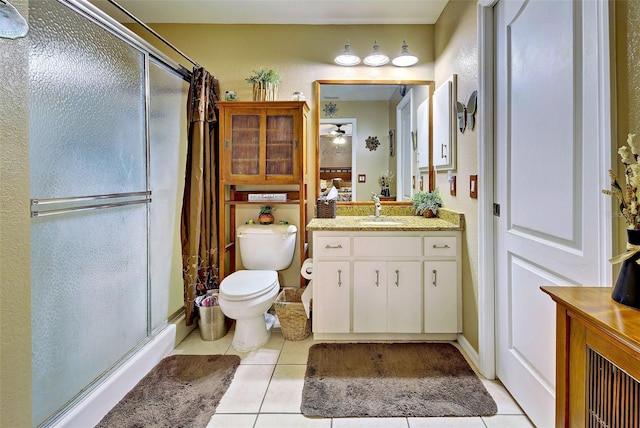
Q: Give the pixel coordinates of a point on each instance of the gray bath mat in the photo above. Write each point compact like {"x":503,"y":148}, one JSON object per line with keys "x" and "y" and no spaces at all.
{"x":392,"y":379}
{"x":181,"y":391}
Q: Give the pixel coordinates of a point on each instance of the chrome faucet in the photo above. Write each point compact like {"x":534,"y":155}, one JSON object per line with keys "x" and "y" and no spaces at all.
{"x":377,"y":205}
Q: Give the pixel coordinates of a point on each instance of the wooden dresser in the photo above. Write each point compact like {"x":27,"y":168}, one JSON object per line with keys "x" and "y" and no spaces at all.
{"x":597,"y":359}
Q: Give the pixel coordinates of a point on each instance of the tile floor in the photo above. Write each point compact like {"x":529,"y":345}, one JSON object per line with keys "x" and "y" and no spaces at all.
{"x":266,"y":392}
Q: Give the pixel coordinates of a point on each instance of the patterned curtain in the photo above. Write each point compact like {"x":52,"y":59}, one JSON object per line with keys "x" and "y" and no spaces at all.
{"x":199,"y":208}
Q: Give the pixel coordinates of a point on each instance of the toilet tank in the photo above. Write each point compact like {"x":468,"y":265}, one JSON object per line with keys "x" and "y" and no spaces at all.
{"x":266,"y":247}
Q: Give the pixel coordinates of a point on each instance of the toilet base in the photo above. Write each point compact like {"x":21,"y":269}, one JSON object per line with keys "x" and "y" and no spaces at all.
{"x":252,"y":333}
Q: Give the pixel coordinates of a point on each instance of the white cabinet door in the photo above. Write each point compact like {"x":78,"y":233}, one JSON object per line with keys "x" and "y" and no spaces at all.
{"x":331,"y":297}
{"x":370,"y":296}
{"x":444,"y":126}
{"x":404,"y":292}
{"x":441,"y":297}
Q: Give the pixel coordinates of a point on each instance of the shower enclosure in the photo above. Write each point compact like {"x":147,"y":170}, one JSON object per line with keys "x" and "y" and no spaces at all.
{"x":107,"y":151}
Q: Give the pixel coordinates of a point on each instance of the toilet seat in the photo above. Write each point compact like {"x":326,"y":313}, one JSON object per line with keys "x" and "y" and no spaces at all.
{"x":248,"y":284}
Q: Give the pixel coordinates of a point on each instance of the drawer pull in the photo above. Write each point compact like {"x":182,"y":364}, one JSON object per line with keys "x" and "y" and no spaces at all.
{"x":377,"y":278}
{"x":435,"y":278}
{"x":397,"y":278}
{"x":333,"y":247}
{"x":339,"y":277}
{"x":441,"y":246}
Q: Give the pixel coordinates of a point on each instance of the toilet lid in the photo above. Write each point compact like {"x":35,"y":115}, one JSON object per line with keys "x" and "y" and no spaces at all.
{"x":247,"y":284}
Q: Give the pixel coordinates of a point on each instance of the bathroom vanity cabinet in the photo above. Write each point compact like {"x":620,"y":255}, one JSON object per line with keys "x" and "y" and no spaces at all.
{"x":386,"y":285}
{"x":262,"y":146}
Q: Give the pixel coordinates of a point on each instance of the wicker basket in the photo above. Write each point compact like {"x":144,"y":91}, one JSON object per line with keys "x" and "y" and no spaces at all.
{"x":326,"y":209}
{"x":293,"y":319}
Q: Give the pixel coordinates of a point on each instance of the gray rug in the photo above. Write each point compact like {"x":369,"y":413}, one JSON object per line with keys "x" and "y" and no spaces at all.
{"x":181,"y":391}
{"x":392,"y":379}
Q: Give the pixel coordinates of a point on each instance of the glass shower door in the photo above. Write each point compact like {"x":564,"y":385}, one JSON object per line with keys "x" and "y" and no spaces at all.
{"x":88,"y":172}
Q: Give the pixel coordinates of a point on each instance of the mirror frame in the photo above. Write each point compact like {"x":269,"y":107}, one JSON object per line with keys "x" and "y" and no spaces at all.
{"x":320,"y":82}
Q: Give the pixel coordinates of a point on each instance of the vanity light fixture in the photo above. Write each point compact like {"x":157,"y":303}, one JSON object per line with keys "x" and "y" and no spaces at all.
{"x":376,"y":58}
{"x":347,"y":58}
{"x":406,"y":58}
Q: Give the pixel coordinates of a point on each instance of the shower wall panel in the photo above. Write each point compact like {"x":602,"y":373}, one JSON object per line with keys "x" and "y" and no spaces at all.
{"x":168,"y":149}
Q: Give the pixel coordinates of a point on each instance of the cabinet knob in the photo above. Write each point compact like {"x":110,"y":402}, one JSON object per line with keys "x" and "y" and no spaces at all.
{"x":339,"y":277}
{"x":397,"y":278}
{"x":377,"y":278}
{"x":441,"y":246}
{"x":227,"y":144}
{"x":435,"y":278}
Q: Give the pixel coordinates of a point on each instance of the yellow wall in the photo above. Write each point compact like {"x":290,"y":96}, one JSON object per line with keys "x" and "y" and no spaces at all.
{"x":15,"y":294}
{"x":456,"y":51}
{"x":627,"y":75}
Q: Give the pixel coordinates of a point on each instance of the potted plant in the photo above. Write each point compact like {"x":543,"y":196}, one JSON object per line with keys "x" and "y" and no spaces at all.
{"x":265,"y":216}
{"x":426,"y":203}
{"x":627,"y":287}
{"x":265,"y":83}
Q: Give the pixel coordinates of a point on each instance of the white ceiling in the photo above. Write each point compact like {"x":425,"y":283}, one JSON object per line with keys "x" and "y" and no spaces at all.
{"x":279,"y":11}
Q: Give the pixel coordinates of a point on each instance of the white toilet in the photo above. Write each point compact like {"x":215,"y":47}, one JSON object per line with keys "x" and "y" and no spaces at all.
{"x":246,"y":295}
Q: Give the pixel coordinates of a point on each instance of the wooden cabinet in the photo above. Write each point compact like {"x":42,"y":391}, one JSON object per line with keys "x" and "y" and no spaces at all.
{"x":597,"y":359}
{"x":261,"y":144}
{"x":387,"y":289}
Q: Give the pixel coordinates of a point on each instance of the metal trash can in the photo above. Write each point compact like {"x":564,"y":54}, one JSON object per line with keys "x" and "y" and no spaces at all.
{"x":212,"y":322}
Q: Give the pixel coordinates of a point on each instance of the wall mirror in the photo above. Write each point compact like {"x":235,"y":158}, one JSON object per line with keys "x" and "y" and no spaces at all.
{"x":367,"y":129}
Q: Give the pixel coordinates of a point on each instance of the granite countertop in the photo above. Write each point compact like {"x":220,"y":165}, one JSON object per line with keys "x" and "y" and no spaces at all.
{"x":446,"y":220}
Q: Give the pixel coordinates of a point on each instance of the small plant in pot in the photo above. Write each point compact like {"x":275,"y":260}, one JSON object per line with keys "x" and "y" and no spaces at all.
{"x":265,"y":83}
{"x":426,"y":203}
{"x":265,"y":217}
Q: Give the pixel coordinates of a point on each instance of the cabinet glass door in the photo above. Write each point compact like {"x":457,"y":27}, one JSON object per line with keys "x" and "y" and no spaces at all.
{"x":280,"y":144}
{"x":244,"y":144}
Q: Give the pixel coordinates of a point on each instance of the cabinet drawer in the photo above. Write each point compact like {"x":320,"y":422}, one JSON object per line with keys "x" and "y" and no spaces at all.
{"x":332,"y":246}
{"x":442,"y":246}
{"x":400,"y":246}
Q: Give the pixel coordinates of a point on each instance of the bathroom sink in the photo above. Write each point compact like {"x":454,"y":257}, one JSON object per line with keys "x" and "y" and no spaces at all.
{"x":381,"y":222}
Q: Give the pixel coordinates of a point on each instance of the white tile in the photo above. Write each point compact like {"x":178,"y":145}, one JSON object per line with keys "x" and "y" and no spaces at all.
{"x":267,"y":420}
{"x":232,"y":421}
{"x":247,"y":390}
{"x":369,"y":423}
{"x":446,"y":422}
{"x":296,"y":352}
{"x":194,"y":345}
{"x":506,"y":404}
{"x":267,"y":354}
{"x":284,"y":394}
{"x":507,"y":421}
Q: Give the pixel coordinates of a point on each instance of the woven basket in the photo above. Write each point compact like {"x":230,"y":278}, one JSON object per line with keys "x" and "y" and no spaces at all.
{"x":326,"y":209}
{"x":293,"y":319}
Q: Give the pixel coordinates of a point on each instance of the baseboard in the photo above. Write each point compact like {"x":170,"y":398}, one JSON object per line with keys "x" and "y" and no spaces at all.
{"x":92,"y":408}
{"x":472,"y":354}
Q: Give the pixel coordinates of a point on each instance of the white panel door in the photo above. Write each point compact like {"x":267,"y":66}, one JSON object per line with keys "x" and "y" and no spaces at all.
{"x":404,"y":122}
{"x":546,"y":182}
